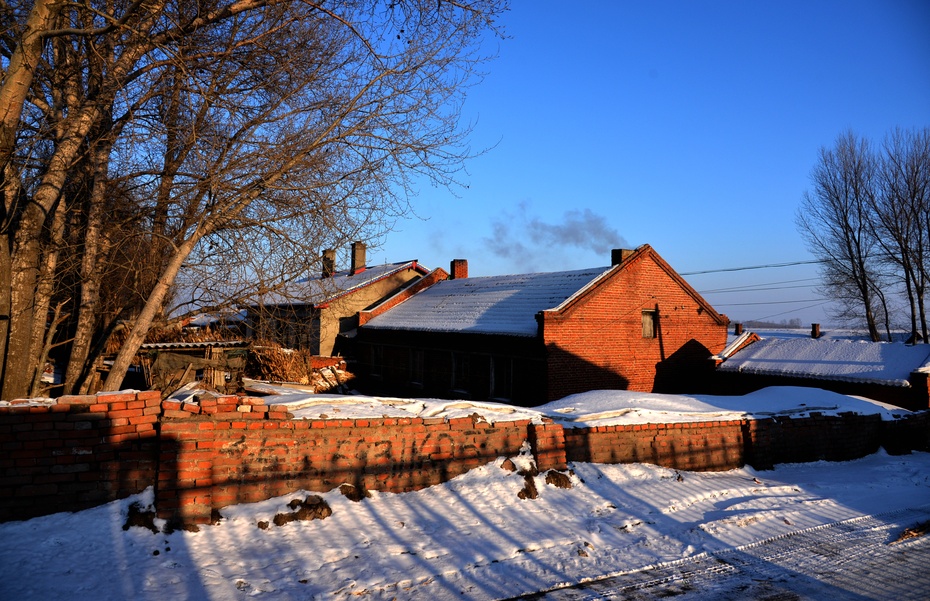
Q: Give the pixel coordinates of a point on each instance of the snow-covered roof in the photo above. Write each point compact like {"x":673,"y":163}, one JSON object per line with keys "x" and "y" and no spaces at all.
{"x":208,"y":319}
{"x":505,"y":304}
{"x":885,"y":363}
{"x":319,"y":290}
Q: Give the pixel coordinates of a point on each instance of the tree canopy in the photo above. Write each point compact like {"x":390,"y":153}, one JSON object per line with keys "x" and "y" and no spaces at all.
{"x":160,"y":151}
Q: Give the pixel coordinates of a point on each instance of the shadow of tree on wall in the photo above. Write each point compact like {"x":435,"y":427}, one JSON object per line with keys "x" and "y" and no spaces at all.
{"x":207,"y":464}
{"x":76,"y":457}
{"x":68,"y":461}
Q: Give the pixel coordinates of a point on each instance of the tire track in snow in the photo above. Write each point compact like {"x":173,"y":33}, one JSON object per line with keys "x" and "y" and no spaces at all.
{"x":851,"y":559}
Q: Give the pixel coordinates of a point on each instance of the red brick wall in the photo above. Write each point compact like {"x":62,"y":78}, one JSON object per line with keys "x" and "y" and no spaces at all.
{"x":212,"y":461}
{"x":597,"y":342}
{"x":723,"y":445}
{"x":699,"y":446}
{"x":87,"y":450}
{"x":80,"y":452}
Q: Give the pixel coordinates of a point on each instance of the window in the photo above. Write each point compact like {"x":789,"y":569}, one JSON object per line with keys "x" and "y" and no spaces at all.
{"x":649,"y":323}
{"x":377,"y":360}
{"x":461,"y":372}
{"x":416,"y":367}
{"x":501,"y":378}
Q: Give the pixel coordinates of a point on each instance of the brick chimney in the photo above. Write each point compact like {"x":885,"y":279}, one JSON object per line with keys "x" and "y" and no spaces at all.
{"x":358,"y":258}
{"x":329,"y":263}
{"x":619,"y":255}
{"x":458,"y":269}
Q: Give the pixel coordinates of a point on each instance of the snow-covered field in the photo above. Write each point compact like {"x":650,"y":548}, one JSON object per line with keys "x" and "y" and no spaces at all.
{"x":472,"y":537}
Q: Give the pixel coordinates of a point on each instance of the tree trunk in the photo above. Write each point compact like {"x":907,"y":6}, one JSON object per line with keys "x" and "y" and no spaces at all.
{"x":14,"y":301}
{"x":96,"y":248}
{"x":912,"y":305}
{"x":6,"y":275}
{"x":45,"y":288}
{"x":153,"y":305}
{"x":57,"y":318}
{"x":27,"y":255}
{"x":19,"y":73}
{"x":24,"y":268}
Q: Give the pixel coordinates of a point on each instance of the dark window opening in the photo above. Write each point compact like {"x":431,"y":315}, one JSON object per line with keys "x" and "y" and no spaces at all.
{"x":461,"y":372}
{"x":377,"y":361}
{"x":501,"y":378}
{"x":417,"y":369}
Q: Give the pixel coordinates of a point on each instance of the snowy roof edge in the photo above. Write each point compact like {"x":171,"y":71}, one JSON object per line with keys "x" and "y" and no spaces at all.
{"x":400,"y":267}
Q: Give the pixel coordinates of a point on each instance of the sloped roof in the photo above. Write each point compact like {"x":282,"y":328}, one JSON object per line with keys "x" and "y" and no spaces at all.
{"x":885,"y":363}
{"x":319,"y":290}
{"x":505,"y":304}
{"x":736,"y":343}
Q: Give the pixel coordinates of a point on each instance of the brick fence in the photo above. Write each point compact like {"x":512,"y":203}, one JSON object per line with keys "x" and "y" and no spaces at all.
{"x":76,"y":453}
{"x":82,"y":451}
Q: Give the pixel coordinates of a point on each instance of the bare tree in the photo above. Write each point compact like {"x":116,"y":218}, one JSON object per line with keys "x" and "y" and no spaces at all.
{"x":836,"y":221}
{"x":241,"y":134}
{"x":901,"y":209}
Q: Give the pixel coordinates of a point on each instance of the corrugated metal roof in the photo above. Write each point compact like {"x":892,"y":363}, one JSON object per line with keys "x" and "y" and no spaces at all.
{"x":194,"y":345}
{"x":505,"y":304}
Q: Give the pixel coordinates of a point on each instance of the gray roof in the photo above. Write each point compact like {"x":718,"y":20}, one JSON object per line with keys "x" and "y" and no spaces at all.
{"x":505,"y":304}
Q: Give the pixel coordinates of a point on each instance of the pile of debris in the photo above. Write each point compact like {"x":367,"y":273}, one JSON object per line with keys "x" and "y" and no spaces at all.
{"x":270,"y":362}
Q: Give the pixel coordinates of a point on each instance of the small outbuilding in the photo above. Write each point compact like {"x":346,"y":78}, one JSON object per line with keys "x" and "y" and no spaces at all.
{"x":889,"y":372}
{"x":530,"y":338}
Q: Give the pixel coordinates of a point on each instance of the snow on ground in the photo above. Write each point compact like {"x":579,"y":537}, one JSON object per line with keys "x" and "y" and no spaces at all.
{"x":471,"y":537}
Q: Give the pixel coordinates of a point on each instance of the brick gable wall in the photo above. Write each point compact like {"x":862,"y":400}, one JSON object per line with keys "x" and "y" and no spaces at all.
{"x":597,"y":342}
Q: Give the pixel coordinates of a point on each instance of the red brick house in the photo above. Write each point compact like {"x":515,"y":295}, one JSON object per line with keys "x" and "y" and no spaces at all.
{"x":318,"y":313}
{"x":531,"y":338}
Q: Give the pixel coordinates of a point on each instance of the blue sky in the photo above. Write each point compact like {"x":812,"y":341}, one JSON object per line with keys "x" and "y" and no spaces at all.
{"x":690,"y":126}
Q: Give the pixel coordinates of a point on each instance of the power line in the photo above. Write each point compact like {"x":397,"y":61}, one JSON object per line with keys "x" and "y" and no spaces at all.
{"x":744,"y":290}
{"x":806,"y":300}
{"x":751,"y":287}
{"x":770,"y":265}
{"x":789,"y":311}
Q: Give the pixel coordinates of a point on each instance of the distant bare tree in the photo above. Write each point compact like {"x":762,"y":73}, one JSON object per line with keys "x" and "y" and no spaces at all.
{"x":836,"y":221}
{"x":222,"y":141}
{"x":902,"y":217}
